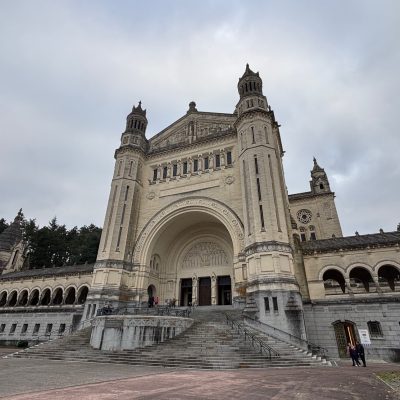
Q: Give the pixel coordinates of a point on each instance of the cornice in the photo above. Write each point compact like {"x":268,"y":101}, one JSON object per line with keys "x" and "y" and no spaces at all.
{"x":266,"y":247}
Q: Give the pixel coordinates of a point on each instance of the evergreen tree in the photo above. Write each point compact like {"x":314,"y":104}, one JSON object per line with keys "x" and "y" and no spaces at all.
{"x":54,"y":245}
{"x":3,"y":224}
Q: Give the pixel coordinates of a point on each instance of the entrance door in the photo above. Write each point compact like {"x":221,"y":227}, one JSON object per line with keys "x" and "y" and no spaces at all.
{"x":205,"y":291}
{"x":345,"y":333}
{"x":224,"y":290}
{"x":186,"y":292}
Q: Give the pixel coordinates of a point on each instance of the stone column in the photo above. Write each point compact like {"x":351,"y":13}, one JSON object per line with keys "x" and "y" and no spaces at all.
{"x":195,"y":282}
{"x":214,"y":293}
{"x":211,"y":161}
{"x":159,"y":172}
{"x":222,"y":159}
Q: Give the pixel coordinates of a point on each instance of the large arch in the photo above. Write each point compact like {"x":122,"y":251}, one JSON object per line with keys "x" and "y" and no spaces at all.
{"x":178,"y":237}
{"x":214,"y":208}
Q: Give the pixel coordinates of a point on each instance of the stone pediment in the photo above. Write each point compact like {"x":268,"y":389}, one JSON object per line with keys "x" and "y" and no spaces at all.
{"x":191,"y":128}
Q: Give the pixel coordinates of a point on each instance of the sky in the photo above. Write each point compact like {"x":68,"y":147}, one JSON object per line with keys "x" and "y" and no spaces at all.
{"x":70,"y":72}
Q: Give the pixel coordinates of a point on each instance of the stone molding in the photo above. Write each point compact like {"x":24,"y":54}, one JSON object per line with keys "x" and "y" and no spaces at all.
{"x":214,"y":207}
{"x":267,"y":247}
{"x":115,"y":264}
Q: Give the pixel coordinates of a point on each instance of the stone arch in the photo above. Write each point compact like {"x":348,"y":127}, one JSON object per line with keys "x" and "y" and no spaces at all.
{"x":362,"y":275}
{"x":386,"y":262}
{"x":333,"y":279}
{"x":45,"y":297}
{"x":34,"y":297}
{"x":12,"y":298}
{"x":328,"y":267}
{"x":70,"y":295}
{"x":358,"y":265}
{"x":57,"y":296}
{"x":82,"y":294}
{"x":3,"y":298}
{"x":214,"y":208}
{"x":23,"y":297}
{"x":389,"y":276}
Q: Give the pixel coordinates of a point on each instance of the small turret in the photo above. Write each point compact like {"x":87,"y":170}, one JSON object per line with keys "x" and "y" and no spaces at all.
{"x":251,"y":93}
{"x":250,"y":83}
{"x":136,"y":121}
{"x":319,"y":181}
{"x":136,"y":124}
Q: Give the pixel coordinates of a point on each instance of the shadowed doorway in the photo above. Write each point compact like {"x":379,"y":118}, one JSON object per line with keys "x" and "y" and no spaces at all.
{"x":205,"y":291}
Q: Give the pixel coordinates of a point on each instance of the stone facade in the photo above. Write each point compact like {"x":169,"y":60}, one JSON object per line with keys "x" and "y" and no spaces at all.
{"x":200,"y":213}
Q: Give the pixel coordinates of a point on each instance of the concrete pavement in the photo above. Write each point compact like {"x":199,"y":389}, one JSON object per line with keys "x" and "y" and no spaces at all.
{"x":23,"y":379}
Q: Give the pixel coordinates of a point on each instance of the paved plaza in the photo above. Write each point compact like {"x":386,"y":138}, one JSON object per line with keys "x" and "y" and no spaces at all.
{"x":23,"y":379}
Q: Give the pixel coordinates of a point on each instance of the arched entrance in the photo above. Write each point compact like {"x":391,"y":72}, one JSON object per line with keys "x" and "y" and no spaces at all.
{"x":196,"y":243}
{"x":345,"y":332}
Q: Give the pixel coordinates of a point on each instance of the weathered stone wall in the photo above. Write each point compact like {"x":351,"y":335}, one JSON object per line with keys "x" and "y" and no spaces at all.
{"x":130,"y":332}
{"x":320,"y":316}
{"x":13,"y":324}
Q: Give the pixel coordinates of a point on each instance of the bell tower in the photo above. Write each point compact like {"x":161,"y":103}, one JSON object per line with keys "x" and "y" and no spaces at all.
{"x":271,"y":282}
{"x":319,"y":180}
{"x":113,"y":267}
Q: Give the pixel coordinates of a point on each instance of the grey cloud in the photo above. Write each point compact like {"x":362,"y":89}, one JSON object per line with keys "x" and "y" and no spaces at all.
{"x":71,"y":71}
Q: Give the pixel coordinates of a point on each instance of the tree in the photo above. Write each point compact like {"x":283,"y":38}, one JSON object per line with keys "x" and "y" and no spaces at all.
{"x":54,"y":245}
{"x":3,"y":224}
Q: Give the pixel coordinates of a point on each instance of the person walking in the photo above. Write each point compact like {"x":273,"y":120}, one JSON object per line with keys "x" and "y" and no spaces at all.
{"x":354,"y":355}
{"x":361,"y":352}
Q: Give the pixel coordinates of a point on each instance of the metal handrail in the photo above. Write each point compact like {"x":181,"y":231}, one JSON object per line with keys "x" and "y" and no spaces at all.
{"x":254,"y":340}
{"x":314,"y":348}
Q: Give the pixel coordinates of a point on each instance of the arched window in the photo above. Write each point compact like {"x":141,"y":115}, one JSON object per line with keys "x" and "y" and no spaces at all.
{"x":23,"y":298}
{"x":3,"y":299}
{"x":57,"y":297}
{"x":360,"y":278}
{"x":34,"y":298}
{"x":303,"y":236}
{"x":70,"y":296}
{"x":312,"y":232}
{"x":45,"y":301}
{"x":12,"y":299}
{"x":82,"y":294}
{"x":389,"y":277}
{"x":334,"y":282}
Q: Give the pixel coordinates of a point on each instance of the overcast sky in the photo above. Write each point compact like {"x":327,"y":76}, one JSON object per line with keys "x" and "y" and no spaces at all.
{"x":70,"y":72}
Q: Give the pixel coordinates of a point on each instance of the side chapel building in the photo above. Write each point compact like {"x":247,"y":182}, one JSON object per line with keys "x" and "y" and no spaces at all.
{"x":200,"y":213}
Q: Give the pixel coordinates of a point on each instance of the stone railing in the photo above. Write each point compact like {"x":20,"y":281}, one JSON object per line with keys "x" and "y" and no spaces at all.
{"x":124,"y":332}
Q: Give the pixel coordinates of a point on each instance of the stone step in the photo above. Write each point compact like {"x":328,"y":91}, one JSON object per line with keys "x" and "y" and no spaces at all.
{"x":208,"y":344}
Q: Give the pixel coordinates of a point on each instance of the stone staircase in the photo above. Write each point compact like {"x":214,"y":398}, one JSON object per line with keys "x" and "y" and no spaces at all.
{"x":208,"y":344}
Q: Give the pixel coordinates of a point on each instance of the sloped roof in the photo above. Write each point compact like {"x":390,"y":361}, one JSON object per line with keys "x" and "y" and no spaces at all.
{"x":387,"y":239}
{"x":56,"y":271}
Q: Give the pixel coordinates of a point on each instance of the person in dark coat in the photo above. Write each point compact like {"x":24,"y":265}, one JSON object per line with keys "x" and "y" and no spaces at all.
{"x":354,"y":356}
{"x":361,"y":352}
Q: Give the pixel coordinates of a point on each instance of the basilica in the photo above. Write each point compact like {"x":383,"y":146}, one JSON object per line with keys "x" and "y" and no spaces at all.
{"x":199,"y":214}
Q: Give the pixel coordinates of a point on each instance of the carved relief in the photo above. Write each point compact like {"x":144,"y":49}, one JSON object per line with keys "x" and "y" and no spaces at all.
{"x":151,"y":195}
{"x":183,"y":135}
{"x":229,"y":180}
{"x":205,"y":254}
